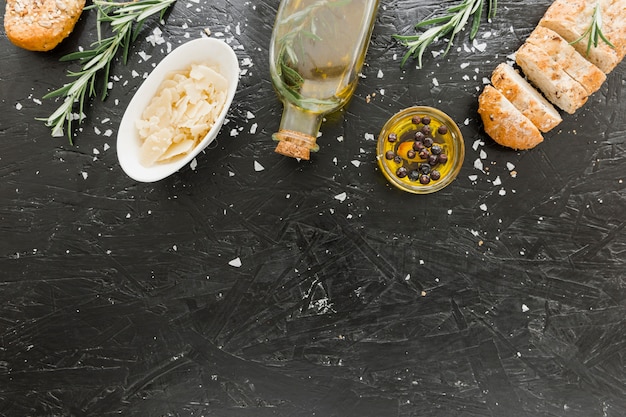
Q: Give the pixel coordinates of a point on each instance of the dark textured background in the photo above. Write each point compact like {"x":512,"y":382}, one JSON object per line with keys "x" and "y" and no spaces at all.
{"x":501,"y":295}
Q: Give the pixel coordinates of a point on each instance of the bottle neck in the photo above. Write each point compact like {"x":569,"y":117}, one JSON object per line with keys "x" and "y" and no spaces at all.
{"x":298,"y":130}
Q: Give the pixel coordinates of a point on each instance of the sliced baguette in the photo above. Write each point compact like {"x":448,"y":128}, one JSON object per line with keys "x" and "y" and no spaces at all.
{"x":542,"y":71}
{"x":614,"y":19}
{"x":571,"y":18}
{"x":505,"y":123}
{"x":40,"y":25}
{"x":525,"y":97}
{"x":572,"y":62}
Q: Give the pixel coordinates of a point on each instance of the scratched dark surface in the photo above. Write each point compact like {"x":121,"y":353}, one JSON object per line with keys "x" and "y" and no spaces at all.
{"x":501,"y":295}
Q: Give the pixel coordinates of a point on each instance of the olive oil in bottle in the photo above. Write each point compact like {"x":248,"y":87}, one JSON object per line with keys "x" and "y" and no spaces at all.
{"x":317,"y":51}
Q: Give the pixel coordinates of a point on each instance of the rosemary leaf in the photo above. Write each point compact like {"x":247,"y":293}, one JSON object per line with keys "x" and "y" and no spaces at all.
{"x":594,"y":34}
{"x":123,"y":21}
{"x":448,"y":24}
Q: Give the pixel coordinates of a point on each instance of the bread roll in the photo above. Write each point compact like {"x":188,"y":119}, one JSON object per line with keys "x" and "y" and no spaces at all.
{"x":40,"y":25}
{"x":571,"y":18}
{"x":573,"y":63}
{"x":525,"y":97}
{"x":542,"y":71}
{"x":505,"y":123}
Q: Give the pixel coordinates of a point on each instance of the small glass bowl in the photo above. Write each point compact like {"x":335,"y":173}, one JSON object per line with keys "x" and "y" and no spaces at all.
{"x":400,"y":150}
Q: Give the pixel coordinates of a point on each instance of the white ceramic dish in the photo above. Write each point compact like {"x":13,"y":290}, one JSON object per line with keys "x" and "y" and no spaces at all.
{"x":210,"y":51}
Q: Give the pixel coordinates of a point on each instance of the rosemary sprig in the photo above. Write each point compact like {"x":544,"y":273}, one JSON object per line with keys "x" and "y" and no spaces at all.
{"x":451,"y":23}
{"x":124,"y":21}
{"x":593,"y":34}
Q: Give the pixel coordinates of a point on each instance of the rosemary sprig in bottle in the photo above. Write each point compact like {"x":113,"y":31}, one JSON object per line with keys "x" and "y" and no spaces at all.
{"x":449,"y":24}
{"x":124,"y":21}
{"x":593,"y":34}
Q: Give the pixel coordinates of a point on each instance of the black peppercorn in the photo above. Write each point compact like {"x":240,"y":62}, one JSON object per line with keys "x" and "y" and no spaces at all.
{"x":401,"y":172}
{"x":390,"y":155}
{"x":392,"y":137}
{"x":414,"y":175}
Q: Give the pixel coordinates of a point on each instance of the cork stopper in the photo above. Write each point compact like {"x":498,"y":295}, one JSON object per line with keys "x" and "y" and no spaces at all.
{"x":293,"y":150}
{"x":295,"y":144}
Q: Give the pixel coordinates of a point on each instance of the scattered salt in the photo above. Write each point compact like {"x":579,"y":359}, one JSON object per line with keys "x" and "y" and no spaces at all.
{"x":235,"y":263}
{"x":258,"y":167}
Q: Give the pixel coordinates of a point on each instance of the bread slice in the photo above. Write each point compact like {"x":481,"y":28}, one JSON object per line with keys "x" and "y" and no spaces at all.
{"x":40,"y":25}
{"x":571,"y":18}
{"x":614,"y":18}
{"x":525,"y":97}
{"x":542,"y":71}
{"x":505,"y":123}
{"x":573,"y":63}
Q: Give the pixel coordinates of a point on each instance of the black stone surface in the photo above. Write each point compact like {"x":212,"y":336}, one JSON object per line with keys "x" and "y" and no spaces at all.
{"x":501,"y":295}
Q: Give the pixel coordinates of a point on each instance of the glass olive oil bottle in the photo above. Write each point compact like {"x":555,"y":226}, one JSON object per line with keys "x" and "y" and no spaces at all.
{"x":317,"y":51}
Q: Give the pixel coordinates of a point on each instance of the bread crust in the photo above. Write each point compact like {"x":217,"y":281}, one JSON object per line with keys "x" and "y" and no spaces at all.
{"x":550,"y":78}
{"x":525,"y":98}
{"x":40,"y":25}
{"x":504,"y":123}
{"x":564,"y":54}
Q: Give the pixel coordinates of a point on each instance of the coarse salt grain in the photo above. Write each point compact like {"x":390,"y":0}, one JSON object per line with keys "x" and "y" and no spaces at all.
{"x":341,"y":197}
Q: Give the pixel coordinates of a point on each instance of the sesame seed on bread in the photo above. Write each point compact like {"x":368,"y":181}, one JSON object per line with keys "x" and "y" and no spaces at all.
{"x":40,"y":25}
